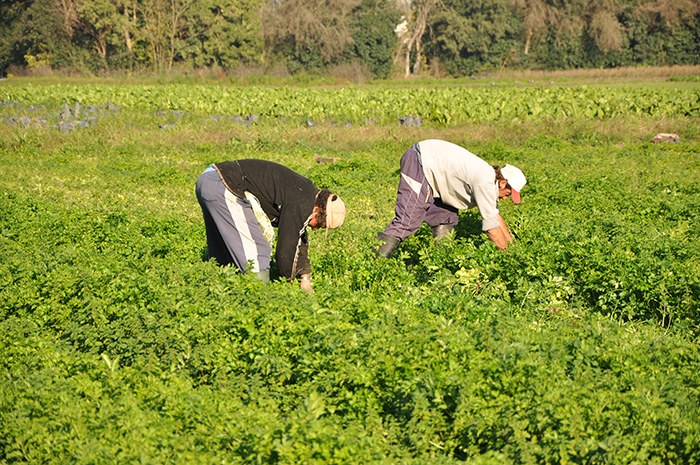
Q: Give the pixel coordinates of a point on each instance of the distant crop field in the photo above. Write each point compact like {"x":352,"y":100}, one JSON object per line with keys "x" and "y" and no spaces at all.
{"x":442,"y":105}
{"x":120,"y":343}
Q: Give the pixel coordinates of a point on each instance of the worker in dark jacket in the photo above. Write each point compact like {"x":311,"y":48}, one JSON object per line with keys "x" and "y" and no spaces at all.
{"x":243,"y":200}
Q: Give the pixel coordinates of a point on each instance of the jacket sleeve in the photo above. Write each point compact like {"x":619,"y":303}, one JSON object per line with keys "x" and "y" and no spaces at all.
{"x":291,"y":223}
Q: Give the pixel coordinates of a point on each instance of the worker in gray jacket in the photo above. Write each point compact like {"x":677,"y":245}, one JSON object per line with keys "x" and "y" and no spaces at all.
{"x":438,"y":179}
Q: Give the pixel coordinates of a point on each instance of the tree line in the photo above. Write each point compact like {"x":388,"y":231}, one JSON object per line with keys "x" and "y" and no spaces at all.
{"x":455,"y":37}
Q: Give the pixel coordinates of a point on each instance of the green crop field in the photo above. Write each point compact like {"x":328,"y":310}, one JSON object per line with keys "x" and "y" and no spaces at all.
{"x":120,"y":343}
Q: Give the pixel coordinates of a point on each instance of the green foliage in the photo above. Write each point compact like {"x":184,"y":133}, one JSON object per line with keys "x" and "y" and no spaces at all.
{"x":474,"y":35}
{"x":299,"y":58}
{"x":373,"y":24}
{"x":462,"y":38}
{"x":225,"y":33}
{"x":121,"y":344}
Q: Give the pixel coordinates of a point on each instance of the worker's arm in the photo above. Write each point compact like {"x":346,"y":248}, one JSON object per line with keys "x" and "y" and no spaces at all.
{"x":500,"y":235}
{"x":306,"y":283}
{"x":504,"y":228}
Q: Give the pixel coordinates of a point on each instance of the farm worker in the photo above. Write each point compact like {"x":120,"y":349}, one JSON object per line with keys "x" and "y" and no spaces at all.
{"x":243,"y":200}
{"x":438,"y":179}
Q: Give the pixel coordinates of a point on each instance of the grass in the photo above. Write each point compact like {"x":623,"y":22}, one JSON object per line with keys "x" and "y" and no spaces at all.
{"x":655,"y":75}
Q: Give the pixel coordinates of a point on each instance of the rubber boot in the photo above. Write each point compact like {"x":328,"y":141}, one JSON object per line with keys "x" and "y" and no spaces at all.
{"x":442,"y":231}
{"x":263,"y":276}
{"x":387,"y":247}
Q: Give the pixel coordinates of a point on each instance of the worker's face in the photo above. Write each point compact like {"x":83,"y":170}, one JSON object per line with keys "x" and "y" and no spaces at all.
{"x":503,"y":190}
{"x":313,"y":224}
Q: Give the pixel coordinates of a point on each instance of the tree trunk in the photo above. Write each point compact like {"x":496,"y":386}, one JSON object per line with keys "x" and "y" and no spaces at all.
{"x":409,"y":45}
{"x":528,"y":37}
{"x":177,"y":12}
{"x":172,"y":44}
{"x":416,"y":64}
{"x":101,"y":47}
{"x":127,"y":33}
{"x":69,"y":13}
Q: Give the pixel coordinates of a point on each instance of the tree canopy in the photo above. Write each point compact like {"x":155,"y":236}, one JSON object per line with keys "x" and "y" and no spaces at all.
{"x":457,"y":37}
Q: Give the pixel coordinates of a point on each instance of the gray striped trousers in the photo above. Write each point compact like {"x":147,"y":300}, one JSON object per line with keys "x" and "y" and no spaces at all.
{"x":234,"y":235}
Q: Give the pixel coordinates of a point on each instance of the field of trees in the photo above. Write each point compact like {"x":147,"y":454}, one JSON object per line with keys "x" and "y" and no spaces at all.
{"x":120,"y":343}
{"x":359,"y":39}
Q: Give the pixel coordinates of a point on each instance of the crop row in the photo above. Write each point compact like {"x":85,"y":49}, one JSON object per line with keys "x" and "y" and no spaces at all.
{"x":444,"y":105}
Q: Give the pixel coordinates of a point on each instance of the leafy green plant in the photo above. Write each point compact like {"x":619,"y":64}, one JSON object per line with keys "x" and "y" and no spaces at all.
{"x":578,"y":344}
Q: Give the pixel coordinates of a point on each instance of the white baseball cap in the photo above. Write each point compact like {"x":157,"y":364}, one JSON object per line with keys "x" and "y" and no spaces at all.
{"x":335,"y":212}
{"x":516,"y":180}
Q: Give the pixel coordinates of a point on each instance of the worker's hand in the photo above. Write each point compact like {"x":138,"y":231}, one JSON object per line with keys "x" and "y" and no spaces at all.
{"x":306,"y":285}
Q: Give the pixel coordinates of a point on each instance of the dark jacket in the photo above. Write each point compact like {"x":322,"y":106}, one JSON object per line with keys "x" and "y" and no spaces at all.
{"x":288,"y":200}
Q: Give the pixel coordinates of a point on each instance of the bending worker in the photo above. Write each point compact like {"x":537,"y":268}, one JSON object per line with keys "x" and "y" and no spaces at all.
{"x":243,"y":200}
{"x":438,"y":179}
